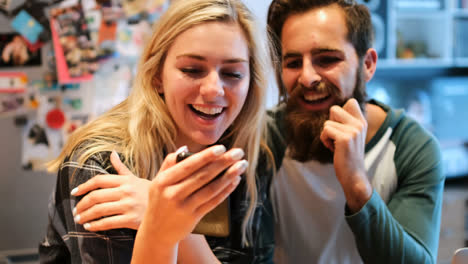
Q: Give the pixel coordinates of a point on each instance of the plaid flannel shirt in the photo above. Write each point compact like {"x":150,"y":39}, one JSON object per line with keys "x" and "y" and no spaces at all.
{"x":68,"y":242}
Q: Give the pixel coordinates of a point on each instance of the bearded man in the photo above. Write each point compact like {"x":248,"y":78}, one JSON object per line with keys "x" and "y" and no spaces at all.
{"x":359,"y":181}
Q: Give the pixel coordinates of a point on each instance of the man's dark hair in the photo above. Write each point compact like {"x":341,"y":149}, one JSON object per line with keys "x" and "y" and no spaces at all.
{"x":357,"y":17}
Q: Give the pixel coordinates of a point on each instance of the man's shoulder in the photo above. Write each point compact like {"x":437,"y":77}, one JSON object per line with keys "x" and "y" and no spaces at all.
{"x":413,"y":143}
{"x":394,"y":118}
{"x":403,"y":128}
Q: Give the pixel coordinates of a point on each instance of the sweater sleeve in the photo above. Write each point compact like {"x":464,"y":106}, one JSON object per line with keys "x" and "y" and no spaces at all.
{"x":406,"y":230}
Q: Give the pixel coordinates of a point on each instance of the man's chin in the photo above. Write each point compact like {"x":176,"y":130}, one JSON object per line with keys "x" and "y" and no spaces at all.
{"x":303,"y":135}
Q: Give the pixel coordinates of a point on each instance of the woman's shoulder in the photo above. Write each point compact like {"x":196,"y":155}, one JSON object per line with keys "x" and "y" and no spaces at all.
{"x":82,"y":164}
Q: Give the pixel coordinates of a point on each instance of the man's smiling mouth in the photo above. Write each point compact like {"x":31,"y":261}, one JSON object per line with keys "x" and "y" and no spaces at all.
{"x":316,"y":98}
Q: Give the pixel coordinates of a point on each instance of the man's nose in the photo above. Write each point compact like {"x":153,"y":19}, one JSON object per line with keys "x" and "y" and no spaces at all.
{"x":309,"y":76}
{"x":212,"y":86}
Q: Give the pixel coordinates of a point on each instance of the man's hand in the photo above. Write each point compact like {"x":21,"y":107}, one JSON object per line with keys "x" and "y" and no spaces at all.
{"x":345,"y":134}
{"x":112,"y":201}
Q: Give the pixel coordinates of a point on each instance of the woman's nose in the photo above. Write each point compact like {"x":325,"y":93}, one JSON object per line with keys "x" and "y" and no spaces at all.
{"x":212,"y":86}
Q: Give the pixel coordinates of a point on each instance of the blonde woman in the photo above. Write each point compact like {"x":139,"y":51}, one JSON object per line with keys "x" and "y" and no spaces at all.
{"x":200,"y":87}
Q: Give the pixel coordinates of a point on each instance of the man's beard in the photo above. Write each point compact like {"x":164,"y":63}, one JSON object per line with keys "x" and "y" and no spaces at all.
{"x":304,"y":126}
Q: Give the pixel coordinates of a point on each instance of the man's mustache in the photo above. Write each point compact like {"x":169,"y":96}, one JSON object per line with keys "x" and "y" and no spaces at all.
{"x":297,"y":93}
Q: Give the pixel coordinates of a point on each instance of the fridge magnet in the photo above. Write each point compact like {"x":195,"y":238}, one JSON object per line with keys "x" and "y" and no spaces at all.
{"x":106,"y":39}
{"x":131,"y":39}
{"x":14,"y":51}
{"x":27,"y":26}
{"x":33,"y":47}
{"x":13,"y":82}
{"x":88,"y":4}
{"x":11,"y":103}
{"x":93,"y":21}
{"x":55,"y":118}
{"x":133,"y":7}
{"x":73,"y":123}
{"x":76,"y":58}
{"x":40,"y":145}
{"x":38,"y":136}
{"x":156,"y":8}
{"x":5,"y":4}
{"x":37,"y":9}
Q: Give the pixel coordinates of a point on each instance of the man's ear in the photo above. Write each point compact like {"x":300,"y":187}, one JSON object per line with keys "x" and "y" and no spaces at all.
{"x":156,"y":82}
{"x":369,"y":64}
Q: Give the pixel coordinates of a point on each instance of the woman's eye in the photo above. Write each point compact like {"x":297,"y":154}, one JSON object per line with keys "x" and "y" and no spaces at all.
{"x":191,"y":71}
{"x":233,"y":75}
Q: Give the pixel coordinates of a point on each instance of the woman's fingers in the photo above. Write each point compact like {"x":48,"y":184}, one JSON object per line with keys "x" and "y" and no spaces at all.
{"x":214,"y":188}
{"x":208,"y":173}
{"x":170,"y":160}
{"x":128,"y":199}
{"x":119,"y":166}
{"x":97,"y":197}
{"x":97,"y":182}
{"x":187,"y":167}
{"x":104,"y":181}
{"x":107,"y":223}
{"x":219,"y":198}
{"x":99,"y":210}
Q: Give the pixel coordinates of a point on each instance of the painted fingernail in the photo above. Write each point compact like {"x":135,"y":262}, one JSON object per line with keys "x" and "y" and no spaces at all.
{"x":75,"y":190}
{"x":241,"y":165}
{"x":77,"y":218}
{"x":87,"y":226}
{"x":236,"y":181}
{"x":237,"y":154}
{"x":181,"y":149}
{"x":74,"y":211}
{"x":115,"y":153}
{"x":218,"y":150}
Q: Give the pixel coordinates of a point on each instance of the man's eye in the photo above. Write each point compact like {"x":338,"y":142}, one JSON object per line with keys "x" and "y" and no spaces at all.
{"x":325,"y":61}
{"x":294,"y":64}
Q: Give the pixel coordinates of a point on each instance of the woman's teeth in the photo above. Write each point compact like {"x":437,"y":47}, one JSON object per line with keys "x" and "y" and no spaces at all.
{"x":208,"y":110}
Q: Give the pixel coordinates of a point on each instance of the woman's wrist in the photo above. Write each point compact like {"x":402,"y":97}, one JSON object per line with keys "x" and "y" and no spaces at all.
{"x":149,"y":248}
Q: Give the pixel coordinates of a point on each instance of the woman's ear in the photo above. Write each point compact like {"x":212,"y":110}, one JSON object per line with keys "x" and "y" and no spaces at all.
{"x":156,"y":82}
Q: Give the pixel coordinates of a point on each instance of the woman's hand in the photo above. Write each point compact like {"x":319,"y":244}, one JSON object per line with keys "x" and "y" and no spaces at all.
{"x":181,"y":194}
{"x":119,"y":201}
{"x":112,"y":201}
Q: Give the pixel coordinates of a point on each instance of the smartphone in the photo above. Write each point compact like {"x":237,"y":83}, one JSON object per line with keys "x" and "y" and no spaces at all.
{"x":216,"y":223}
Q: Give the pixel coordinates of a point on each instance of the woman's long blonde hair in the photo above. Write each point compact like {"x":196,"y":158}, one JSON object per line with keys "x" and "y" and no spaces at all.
{"x":141,"y":128}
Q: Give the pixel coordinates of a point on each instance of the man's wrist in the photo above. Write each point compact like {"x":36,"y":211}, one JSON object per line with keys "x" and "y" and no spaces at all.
{"x":357,"y":196}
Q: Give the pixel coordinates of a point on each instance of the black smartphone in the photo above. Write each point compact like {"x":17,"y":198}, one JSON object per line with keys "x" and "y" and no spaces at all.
{"x":183,"y":155}
{"x":216,"y":223}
